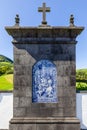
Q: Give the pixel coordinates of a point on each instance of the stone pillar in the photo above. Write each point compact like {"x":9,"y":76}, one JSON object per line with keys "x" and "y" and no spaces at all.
{"x":58,"y":45}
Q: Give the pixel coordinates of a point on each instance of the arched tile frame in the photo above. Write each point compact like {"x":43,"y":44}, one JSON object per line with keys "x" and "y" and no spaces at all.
{"x":44,"y":82}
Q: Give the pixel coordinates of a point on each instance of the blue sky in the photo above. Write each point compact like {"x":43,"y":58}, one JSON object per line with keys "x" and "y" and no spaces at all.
{"x":29,"y":16}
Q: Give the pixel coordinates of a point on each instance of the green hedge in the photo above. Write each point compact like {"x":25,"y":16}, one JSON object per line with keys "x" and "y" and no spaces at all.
{"x":81,"y":86}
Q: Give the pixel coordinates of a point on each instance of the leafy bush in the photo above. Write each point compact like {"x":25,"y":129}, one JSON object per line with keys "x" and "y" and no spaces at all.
{"x":5,"y":67}
{"x":9,"y":72}
{"x":81,"y":86}
{"x":81,"y":75}
{"x":81,"y":79}
{"x":5,"y":59}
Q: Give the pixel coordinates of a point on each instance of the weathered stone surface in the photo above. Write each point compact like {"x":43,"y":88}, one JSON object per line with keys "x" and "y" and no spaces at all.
{"x":16,"y":101}
{"x":56,"y":44}
{"x":45,"y":123}
{"x":19,"y":112}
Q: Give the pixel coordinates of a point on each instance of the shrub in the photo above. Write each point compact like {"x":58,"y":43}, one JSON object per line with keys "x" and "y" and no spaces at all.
{"x":81,"y":86}
{"x":9,"y":72}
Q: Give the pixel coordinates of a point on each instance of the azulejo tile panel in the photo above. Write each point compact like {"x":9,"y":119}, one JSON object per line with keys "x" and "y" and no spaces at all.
{"x":44,"y":82}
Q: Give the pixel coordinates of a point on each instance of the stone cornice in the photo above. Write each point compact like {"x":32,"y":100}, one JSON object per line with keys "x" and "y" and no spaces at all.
{"x":49,"y":34}
{"x":44,"y":120}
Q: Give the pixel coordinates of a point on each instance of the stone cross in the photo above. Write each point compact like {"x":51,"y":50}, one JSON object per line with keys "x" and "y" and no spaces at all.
{"x":44,"y":9}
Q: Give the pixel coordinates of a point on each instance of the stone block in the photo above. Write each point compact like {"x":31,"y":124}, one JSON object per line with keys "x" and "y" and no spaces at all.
{"x":21,"y":93}
{"x":16,"y":102}
{"x":28,"y":92}
{"x":24,"y":102}
{"x":19,"y":49}
{"x":46,"y":127}
{"x":72,"y":80}
{"x":57,"y":112}
{"x":69,"y":101}
{"x":63,"y":81}
{"x":68,"y":91}
{"x":19,"y":112}
{"x":70,"y":112}
{"x":22,"y":80}
{"x":32,"y":48}
{"x":22,"y":127}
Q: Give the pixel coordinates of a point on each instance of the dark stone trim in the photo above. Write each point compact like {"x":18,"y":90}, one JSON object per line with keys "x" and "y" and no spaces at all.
{"x":6,"y":92}
{"x":11,"y":91}
{"x":7,"y":129}
{"x":81,"y":91}
{"x":83,"y":129}
{"x":3,"y":129}
{"x":44,"y":41}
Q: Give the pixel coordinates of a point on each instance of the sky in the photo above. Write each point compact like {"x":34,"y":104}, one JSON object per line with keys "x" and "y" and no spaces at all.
{"x":29,"y":16}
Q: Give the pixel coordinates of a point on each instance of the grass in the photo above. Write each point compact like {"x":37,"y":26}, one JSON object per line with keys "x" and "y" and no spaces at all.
{"x":82,"y":70}
{"x":6,"y":82}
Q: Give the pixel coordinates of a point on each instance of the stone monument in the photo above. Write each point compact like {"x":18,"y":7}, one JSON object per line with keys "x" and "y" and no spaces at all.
{"x":44,"y":76}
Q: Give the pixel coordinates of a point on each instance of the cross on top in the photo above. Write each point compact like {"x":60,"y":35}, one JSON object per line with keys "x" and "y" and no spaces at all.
{"x":44,"y":9}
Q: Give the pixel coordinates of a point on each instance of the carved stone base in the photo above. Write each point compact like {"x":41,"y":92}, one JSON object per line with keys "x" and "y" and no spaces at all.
{"x":44,"y":124}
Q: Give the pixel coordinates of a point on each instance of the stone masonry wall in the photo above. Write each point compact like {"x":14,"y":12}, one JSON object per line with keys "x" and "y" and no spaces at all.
{"x":63,"y":56}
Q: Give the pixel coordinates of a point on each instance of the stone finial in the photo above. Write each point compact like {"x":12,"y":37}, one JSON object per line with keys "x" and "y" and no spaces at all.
{"x":17,"y":20}
{"x":71,"y":20}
